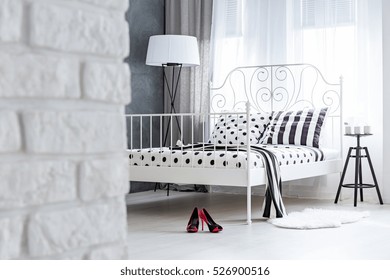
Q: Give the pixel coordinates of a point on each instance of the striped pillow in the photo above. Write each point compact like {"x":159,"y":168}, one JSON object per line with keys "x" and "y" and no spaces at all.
{"x":295,"y":128}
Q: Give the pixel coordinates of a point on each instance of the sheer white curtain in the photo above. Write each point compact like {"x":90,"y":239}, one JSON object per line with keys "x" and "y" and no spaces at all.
{"x":340,"y":37}
{"x":348,"y":44}
{"x":247,"y":32}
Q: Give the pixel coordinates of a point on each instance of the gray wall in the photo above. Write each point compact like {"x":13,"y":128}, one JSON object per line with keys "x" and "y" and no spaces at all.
{"x":146,"y":18}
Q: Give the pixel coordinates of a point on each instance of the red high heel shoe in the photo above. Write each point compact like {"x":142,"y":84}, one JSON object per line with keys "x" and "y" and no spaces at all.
{"x":206,"y":218}
{"x":193,"y":223}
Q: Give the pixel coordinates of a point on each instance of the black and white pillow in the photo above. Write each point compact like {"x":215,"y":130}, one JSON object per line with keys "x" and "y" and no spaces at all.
{"x":232,"y":129}
{"x":295,"y":127}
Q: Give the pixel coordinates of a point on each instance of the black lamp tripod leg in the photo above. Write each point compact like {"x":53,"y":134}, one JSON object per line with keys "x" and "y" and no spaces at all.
{"x":172,"y":91}
{"x":174,"y":97}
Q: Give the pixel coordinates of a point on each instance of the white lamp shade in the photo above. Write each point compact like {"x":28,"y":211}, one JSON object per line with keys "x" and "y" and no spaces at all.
{"x":164,"y":49}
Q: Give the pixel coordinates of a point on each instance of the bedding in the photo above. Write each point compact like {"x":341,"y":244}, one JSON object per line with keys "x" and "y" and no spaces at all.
{"x":285,"y":155}
{"x":295,"y":127}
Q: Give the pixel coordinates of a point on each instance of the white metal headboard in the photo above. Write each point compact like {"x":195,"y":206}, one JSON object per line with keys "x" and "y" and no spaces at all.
{"x":279,"y":87}
{"x":276,"y":87}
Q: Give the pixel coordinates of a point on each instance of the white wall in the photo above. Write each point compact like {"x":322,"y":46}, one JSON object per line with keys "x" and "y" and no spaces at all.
{"x":63,"y":86}
{"x":386,"y":99}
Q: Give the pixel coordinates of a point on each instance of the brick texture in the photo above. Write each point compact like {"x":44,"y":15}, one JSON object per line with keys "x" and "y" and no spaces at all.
{"x":35,"y":183}
{"x":11,"y":18}
{"x":74,"y":132}
{"x":59,"y":231}
{"x":38,"y":76}
{"x":11,"y":231}
{"x":71,"y":30}
{"x":10,"y":139}
{"x":107,"y":82}
{"x":63,"y":87}
{"x":104,"y":178}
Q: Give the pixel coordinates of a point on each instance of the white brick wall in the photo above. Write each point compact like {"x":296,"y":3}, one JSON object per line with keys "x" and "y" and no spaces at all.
{"x":102,"y":178}
{"x":11,"y":15}
{"x":11,"y":231}
{"x":10,"y":140}
{"x":106,"y":82}
{"x":30,"y":75}
{"x":36,"y":183}
{"x":63,"y":87}
{"x":85,"y":226}
{"x":76,"y":30}
{"x":59,"y":132}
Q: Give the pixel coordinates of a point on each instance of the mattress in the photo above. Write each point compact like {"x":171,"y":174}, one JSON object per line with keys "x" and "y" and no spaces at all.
{"x":285,"y":154}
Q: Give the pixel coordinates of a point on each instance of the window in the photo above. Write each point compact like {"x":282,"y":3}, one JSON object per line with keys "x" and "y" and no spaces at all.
{"x":340,"y":37}
{"x":326,"y":13}
{"x":233,"y":18}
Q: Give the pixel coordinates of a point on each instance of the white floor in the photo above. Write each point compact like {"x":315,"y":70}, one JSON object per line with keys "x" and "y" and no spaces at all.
{"x":157,"y":230}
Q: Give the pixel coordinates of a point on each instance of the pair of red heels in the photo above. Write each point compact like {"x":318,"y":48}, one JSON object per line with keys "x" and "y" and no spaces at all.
{"x":204,"y":216}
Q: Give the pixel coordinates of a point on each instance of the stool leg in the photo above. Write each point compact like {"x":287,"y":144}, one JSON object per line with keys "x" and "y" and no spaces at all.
{"x":343,"y":175}
{"x":373,"y":176}
{"x":357,"y":157}
{"x":360,"y":178}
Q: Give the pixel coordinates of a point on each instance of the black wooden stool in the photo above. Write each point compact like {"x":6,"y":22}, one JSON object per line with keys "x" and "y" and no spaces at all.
{"x":358,"y":171}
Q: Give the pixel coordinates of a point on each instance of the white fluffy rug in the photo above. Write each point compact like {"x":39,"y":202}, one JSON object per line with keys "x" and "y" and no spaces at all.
{"x":318,"y":218}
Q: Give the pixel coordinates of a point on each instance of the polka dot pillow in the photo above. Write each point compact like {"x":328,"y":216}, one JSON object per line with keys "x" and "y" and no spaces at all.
{"x":232,"y":129}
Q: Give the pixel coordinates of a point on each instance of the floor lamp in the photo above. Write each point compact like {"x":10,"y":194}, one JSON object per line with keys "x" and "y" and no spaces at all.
{"x":174,"y":52}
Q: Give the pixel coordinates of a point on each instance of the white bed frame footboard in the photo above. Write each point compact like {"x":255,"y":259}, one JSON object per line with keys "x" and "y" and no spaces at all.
{"x":245,"y":90}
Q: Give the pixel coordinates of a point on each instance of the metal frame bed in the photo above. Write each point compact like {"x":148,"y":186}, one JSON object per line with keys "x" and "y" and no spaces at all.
{"x":247,"y":89}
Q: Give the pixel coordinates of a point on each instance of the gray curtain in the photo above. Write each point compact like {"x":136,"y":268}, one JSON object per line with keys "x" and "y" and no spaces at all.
{"x":192,"y":17}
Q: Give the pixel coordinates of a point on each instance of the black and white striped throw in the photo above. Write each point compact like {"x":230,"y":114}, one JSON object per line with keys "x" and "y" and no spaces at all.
{"x":295,"y":127}
{"x":273,"y":203}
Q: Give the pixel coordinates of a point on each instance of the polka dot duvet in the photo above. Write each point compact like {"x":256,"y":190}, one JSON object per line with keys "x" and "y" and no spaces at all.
{"x":219,"y":157}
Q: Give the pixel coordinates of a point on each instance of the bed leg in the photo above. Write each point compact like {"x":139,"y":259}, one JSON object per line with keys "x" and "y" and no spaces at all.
{"x":248,"y":168}
{"x":248,"y":205}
